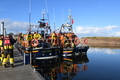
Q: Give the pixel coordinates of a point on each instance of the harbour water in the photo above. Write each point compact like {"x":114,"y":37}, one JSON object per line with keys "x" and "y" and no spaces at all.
{"x":97,"y":64}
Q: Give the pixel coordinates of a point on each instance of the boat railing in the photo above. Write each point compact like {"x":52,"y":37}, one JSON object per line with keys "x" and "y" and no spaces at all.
{"x":82,"y":44}
{"x":71,"y":41}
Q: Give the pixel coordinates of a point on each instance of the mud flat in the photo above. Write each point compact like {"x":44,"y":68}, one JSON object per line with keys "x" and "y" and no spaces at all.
{"x":108,"y":43}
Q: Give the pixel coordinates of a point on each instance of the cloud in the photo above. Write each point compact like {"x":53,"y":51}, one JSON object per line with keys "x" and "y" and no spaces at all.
{"x":19,"y":26}
{"x":117,"y":33}
{"x":109,"y":28}
{"x":14,"y":26}
{"x":96,"y":31}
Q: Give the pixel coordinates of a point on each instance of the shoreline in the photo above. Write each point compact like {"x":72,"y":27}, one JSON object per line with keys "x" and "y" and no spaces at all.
{"x":102,"y":43}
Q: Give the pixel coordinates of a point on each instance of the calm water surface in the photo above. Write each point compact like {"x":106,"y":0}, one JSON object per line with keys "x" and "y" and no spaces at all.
{"x":98,"y":64}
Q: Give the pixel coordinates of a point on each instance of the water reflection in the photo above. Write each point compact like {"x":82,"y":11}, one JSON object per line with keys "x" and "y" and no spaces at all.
{"x":104,"y":64}
{"x":72,"y":65}
{"x":62,"y":68}
{"x":49,"y":68}
{"x":103,"y":45}
{"x":103,"y":50}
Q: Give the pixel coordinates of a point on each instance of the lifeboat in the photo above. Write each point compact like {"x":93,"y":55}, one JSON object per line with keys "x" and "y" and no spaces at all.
{"x":37,"y":43}
{"x":68,"y":41}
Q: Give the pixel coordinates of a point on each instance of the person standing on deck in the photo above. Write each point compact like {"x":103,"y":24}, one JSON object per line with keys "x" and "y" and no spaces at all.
{"x":37,"y":36}
{"x":8,"y":49}
{"x":54,"y":38}
{"x":66,"y":42}
{"x":29,"y":38}
{"x":21,"y":37}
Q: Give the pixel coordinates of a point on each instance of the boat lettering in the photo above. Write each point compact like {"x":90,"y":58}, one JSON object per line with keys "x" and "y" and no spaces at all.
{"x":49,"y":51}
{"x":43,"y":51}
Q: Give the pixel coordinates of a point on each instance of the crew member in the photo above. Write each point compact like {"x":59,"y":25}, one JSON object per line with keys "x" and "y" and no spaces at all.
{"x":42,"y":34}
{"x":1,"y":49}
{"x":66,"y":42}
{"x":72,"y":44}
{"x":8,"y":50}
{"x":37,"y":36}
{"x":29,"y":38}
{"x":21,"y":37}
{"x":54,"y":38}
{"x":73,"y":38}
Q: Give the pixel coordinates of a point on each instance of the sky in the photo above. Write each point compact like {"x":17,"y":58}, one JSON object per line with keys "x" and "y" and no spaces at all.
{"x":91,"y":17}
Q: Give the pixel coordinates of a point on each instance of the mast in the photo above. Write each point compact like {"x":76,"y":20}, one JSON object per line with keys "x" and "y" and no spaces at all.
{"x":68,"y":25}
{"x":29,"y":16}
{"x":2,"y":28}
{"x":47,"y":12}
{"x":43,"y":15}
{"x":70,"y":17}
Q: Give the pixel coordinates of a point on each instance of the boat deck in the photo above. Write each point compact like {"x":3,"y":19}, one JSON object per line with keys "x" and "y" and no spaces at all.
{"x":20,"y":71}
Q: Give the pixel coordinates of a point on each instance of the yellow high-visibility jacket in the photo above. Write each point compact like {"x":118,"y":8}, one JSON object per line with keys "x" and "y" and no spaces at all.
{"x":8,"y":47}
{"x":29,"y":37}
{"x":1,"y":42}
{"x":54,"y":36}
{"x":37,"y":36}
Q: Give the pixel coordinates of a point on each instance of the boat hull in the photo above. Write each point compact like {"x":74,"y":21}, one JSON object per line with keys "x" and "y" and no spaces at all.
{"x":37,"y":54}
{"x":72,"y":51}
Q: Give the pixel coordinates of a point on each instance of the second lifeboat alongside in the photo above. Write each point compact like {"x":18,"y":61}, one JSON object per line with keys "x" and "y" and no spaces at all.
{"x":68,"y":41}
{"x":37,"y":43}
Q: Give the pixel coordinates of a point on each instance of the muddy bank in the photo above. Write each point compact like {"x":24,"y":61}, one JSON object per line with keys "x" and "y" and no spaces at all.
{"x":108,"y":43}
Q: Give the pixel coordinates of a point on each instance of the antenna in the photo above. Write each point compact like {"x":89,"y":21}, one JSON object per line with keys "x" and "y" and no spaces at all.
{"x":54,"y":17}
{"x":70,"y":16}
{"x":69,"y":11}
{"x":47,"y":12}
{"x":29,"y":13}
{"x":43,"y":15}
{"x":62,"y":14}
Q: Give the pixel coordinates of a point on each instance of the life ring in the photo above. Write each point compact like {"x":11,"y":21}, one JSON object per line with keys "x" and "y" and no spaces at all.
{"x":84,"y":67}
{"x":34,"y":42}
{"x":76,"y":41}
{"x":76,"y":69}
{"x":85,"y":41}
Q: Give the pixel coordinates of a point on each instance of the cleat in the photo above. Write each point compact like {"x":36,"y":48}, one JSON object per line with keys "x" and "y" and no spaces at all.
{"x":12,"y":65}
{"x":4,"y":65}
{"x":0,"y":63}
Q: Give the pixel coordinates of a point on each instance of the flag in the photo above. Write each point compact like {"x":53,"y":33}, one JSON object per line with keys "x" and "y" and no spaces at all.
{"x":72,"y":21}
{"x":46,"y":24}
{"x":28,"y":29}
